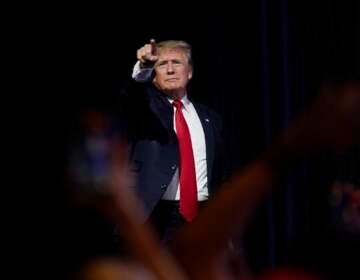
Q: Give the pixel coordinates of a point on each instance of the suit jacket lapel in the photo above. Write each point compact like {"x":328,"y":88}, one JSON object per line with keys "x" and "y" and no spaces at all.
{"x":209,"y":138}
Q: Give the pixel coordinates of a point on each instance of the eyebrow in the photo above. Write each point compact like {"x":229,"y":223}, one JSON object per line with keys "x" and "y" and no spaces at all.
{"x":162,"y":62}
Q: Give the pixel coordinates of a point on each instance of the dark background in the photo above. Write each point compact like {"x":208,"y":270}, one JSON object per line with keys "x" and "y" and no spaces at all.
{"x":258,"y":63}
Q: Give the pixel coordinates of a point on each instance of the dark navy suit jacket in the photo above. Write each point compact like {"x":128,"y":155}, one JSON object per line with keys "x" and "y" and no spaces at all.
{"x":154,"y":149}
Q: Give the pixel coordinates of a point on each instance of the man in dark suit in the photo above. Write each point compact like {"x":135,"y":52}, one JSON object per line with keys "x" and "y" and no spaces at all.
{"x":159,"y":115}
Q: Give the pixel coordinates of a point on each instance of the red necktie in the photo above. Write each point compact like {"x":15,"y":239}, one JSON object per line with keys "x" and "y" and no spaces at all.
{"x":188,"y":189}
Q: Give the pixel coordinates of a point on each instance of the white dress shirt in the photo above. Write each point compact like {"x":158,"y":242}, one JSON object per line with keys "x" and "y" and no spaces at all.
{"x":197,"y":140}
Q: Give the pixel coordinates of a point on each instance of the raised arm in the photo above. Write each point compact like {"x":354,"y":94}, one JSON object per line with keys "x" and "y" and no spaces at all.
{"x":146,"y":58}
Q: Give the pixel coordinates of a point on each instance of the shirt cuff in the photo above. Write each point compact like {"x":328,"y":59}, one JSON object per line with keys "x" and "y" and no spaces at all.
{"x":141,"y":74}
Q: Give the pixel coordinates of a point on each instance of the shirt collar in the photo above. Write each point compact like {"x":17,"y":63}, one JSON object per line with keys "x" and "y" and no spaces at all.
{"x":185,"y":101}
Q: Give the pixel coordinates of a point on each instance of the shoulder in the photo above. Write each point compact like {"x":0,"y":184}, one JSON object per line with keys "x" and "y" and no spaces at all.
{"x":209,"y":112}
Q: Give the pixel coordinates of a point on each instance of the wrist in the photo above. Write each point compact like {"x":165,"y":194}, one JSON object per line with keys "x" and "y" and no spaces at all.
{"x":146,"y":65}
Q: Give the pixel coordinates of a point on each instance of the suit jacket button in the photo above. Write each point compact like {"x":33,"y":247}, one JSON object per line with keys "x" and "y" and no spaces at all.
{"x":163,"y":187}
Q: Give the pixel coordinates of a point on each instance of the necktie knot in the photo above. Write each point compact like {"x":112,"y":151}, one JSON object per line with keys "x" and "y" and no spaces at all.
{"x":178,"y":104}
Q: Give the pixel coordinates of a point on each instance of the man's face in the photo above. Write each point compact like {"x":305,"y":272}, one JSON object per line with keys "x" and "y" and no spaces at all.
{"x":172,"y":72}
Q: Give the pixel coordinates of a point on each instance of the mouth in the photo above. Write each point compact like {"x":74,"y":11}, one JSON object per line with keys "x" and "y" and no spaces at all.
{"x":172,"y":80}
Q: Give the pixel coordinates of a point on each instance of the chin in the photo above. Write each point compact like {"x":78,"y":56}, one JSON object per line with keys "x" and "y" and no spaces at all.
{"x":171,"y":89}
{"x":171,"y":92}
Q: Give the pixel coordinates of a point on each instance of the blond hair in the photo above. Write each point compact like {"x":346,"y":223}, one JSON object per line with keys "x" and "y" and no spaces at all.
{"x":177,"y":44}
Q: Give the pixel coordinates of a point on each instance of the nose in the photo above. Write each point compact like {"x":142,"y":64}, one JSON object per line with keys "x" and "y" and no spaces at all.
{"x":170,"y":68}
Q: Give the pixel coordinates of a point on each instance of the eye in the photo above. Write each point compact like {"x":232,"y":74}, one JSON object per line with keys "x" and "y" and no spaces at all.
{"x":161,"y":64}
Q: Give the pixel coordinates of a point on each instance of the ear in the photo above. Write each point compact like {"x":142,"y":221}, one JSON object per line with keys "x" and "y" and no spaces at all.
{"x":190,"y":75}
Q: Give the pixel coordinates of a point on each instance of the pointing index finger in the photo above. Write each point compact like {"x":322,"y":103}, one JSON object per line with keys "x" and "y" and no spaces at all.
{"x":153,"y":47}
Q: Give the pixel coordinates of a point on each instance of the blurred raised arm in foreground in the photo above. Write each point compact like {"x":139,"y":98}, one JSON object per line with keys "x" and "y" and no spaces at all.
{"x":331,"y":124}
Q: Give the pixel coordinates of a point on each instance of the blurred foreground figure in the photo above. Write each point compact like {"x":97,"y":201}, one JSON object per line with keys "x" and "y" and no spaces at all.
{"x":332,"y":124}
{"x":101,"y":181}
